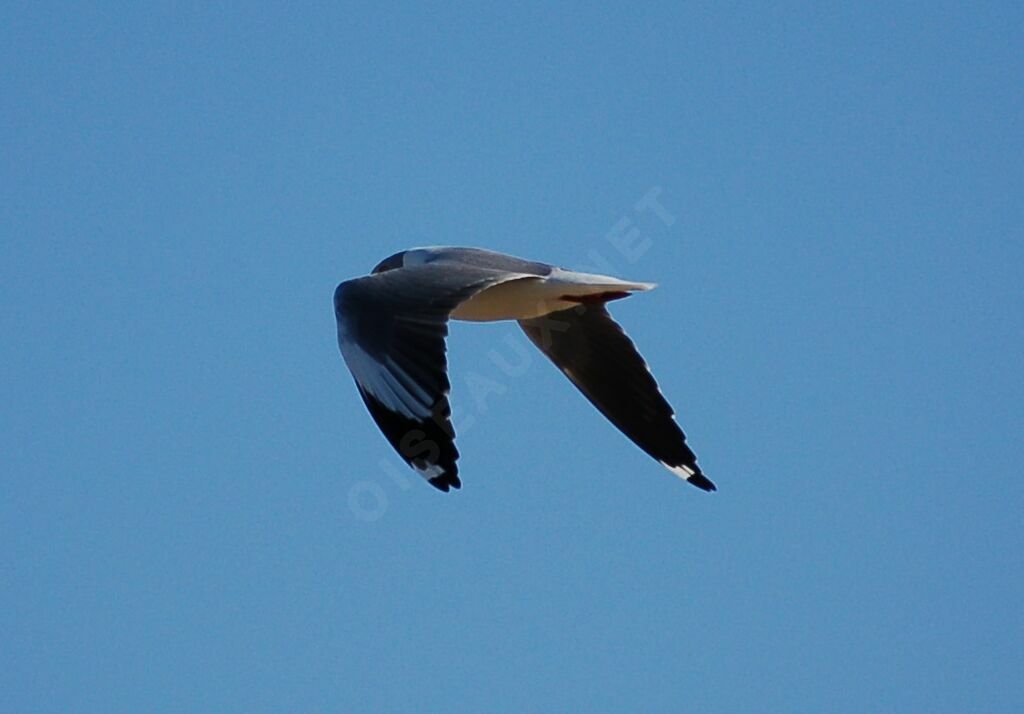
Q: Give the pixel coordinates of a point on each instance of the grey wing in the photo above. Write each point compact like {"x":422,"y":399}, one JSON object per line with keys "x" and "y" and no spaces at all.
{"x":595,"y":354}
{"x":391,"y":331}
{"x":489,"y":260}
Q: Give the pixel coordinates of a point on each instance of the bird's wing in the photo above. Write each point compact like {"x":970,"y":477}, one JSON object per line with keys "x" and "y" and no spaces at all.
{"x":391,"y":331}
{"x":595,"y":354}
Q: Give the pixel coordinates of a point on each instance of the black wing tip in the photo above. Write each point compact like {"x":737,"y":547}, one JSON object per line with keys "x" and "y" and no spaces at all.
{"x":445,"y":482}
{"x":702,"y":482}
{"x":411,"y":437}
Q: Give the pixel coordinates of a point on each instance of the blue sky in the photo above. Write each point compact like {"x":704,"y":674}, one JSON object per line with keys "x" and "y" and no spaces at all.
{"x":197,"y":514}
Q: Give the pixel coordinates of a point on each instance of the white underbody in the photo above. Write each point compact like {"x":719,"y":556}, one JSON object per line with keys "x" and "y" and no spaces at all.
{"x":530,"y":296}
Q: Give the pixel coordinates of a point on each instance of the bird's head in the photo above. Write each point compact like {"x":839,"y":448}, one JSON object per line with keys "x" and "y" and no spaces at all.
{"x":390,"y":263}
{"x":407,"y":258}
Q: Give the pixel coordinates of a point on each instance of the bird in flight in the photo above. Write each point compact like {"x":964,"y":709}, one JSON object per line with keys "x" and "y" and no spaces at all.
{"x":392,"y":326}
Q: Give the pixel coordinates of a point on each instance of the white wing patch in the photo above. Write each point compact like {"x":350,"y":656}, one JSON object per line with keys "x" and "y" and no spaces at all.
{"x":388,"y":383}
{"x":429,"y":472}
{"x":413,"y":388}
{"x":683,"y":472}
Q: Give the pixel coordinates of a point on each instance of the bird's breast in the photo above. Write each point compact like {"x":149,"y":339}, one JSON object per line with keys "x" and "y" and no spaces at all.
{"x":519,"y":299}
{"x":533,"y":296}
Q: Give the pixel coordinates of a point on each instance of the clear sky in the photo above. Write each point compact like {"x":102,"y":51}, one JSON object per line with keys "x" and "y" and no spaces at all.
{"x":198,"y":514}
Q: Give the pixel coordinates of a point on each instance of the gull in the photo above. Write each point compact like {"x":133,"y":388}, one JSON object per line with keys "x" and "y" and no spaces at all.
{"x":392,"y":326}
